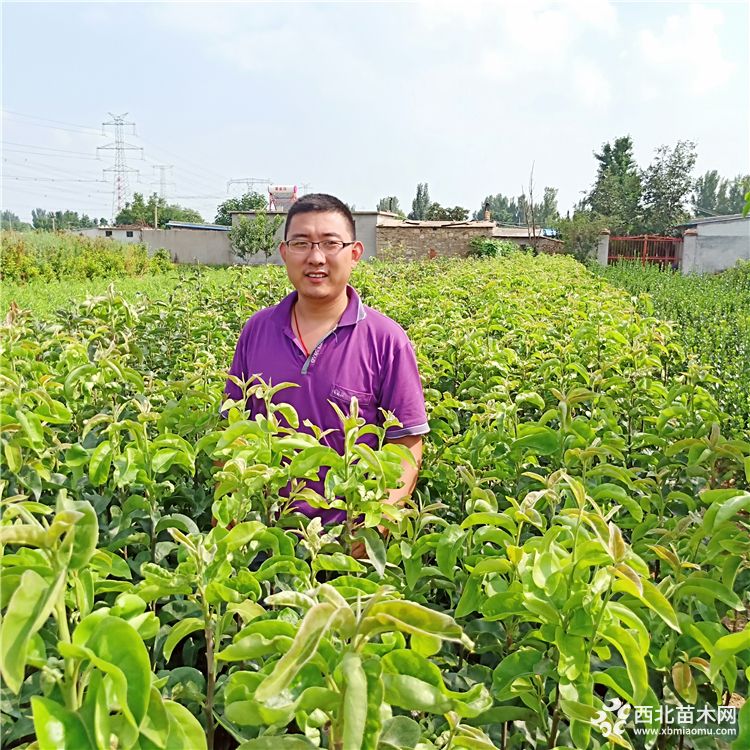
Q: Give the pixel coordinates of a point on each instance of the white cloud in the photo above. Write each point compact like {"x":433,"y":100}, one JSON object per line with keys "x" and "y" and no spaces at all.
{"x":516,"y":39}
{"x":688,"y":49}
{"x":591,"y":85}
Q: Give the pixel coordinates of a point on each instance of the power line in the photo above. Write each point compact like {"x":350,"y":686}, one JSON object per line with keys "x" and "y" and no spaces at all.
{"x":47,"y":179}
{"x":50,"y":156}
{"x":47,"y":119}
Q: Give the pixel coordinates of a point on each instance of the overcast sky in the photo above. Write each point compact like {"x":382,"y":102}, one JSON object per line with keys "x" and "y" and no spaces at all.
{"x":363,"y":99}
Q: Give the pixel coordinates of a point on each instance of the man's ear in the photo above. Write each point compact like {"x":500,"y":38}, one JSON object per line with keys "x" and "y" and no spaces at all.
{"x":282,"y":250}
{"x":358,"y":250}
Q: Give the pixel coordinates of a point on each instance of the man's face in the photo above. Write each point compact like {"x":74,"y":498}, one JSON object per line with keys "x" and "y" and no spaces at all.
{"x":315,"y":275}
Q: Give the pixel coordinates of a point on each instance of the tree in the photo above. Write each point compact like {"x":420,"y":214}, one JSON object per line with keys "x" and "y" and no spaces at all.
{"x":9,"y":220}
{"x":666,"y":187}
{"x":502,"y":209}
{"x":581,"y":233}
{"x":616,"y":193}
{"x":142,"y":212}
{"x":250,"y":201}
{"x":257,"y":235}
{"x":436,"y":212}
{"x":421,"y":204}
{"x":390,"y":203}
{"x":50,"y":221}
{"x":506,"y":210}
{"x":714,"y":196}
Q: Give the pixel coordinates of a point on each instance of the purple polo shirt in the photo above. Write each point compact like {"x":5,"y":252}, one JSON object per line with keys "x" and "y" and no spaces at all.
{"x":367,"y":355}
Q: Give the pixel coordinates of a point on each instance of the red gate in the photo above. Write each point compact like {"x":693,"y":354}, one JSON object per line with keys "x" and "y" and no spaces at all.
{"x":647,"y":248}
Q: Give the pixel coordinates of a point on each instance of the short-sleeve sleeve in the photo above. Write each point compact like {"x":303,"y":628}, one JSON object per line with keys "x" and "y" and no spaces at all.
{"x":401,"y":392}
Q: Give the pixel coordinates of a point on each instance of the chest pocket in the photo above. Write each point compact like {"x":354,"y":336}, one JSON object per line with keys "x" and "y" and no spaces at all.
{"x":343,"y":396}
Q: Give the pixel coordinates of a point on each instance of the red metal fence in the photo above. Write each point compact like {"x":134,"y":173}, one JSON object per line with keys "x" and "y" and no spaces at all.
{"x":647,"y":248}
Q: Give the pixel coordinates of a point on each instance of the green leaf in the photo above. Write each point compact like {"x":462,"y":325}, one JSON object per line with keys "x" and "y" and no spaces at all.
{"x":399,"y":732}
{"x":57,"y":728}
{"x":375,"y":548}
{"x":32,"y":426}
{"x":684,"y":684}
{"x":726,"y":647}
{"x":448,"y":549}
{"x":742,"y":740}
{"x":254,"y":646}
{"x":410,"y":617}
{"x":354,"y":701}
{"x":338,"y":561}
{"x":101,"y":460}
{"x":540,"y":441}
{"x":29,"y":607}
{"x":311,"y":631}
{"x":413,"y":694}
{"x":117,"y":642}
{"x":518,"y":664}
{"x":86,"y":532}
{"x":631,"y":655}
{"x":179,"y":631}
{"x":707,"y":590}
{"x":279,"y":742}
{"x":471,"y":596}
{"x":155,"y":725}
{"x":185,"y":731}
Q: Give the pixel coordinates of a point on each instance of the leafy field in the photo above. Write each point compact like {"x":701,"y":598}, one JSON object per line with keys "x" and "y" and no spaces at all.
{"x":47,"y":256}
{"x":578,"y":538}
{"x":712,"y":316}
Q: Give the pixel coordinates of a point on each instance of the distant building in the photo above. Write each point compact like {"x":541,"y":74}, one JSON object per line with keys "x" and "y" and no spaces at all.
{"x":715,"y":244}
{"x":130,"y":233}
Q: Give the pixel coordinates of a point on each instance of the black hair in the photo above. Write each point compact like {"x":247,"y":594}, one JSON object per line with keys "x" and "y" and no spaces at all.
{"x":320,"y":202}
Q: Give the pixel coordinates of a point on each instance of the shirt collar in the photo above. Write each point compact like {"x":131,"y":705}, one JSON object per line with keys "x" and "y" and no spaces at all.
{"x":354,"y":312}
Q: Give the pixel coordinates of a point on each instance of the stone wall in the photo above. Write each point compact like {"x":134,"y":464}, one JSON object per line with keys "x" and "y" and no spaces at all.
{"x":417,"y":243}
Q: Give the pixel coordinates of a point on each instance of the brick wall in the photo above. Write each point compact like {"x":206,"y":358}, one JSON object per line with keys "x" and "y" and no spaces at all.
{"x":415,"y":243}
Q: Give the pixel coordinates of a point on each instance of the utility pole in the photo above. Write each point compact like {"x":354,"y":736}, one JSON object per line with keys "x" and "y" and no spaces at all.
{"x":162,"y":189}
{"x":163,"y":178}
{"x":120,"y":170}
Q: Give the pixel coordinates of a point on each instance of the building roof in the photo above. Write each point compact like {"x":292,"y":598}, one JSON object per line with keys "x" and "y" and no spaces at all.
{"x":714,"y":220}
{"x":190,"y":225}
{"x":120,"y":227}
{"x":520,"y":233}
{"x":413,"y":223}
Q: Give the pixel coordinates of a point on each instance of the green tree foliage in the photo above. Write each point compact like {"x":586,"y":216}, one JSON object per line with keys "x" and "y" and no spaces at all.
{"x":250,"y":201}
{"x":421,"y":203}
{"x":436,"y":212}
{"x":580,"y":233}
{"x":712,"y":195}
{"x":390,"y":203}
{"x":141,"y":212}
{"x":617,"y":190}
{"x":258,"y":235}
{"x":49,"y":221}
{"x":502,"y":209}
{"x":667,"y":184}
{"x":505,"y":210}
{"x":9,"y":220}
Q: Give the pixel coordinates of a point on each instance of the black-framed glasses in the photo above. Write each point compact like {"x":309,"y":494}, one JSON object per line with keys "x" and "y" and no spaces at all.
{"x":327,"y":247}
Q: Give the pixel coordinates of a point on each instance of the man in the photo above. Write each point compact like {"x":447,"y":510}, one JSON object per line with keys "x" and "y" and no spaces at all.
{"x":324,"y":339}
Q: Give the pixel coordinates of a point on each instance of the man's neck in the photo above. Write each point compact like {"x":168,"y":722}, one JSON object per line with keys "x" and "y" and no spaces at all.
{"x":319,"y":312}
